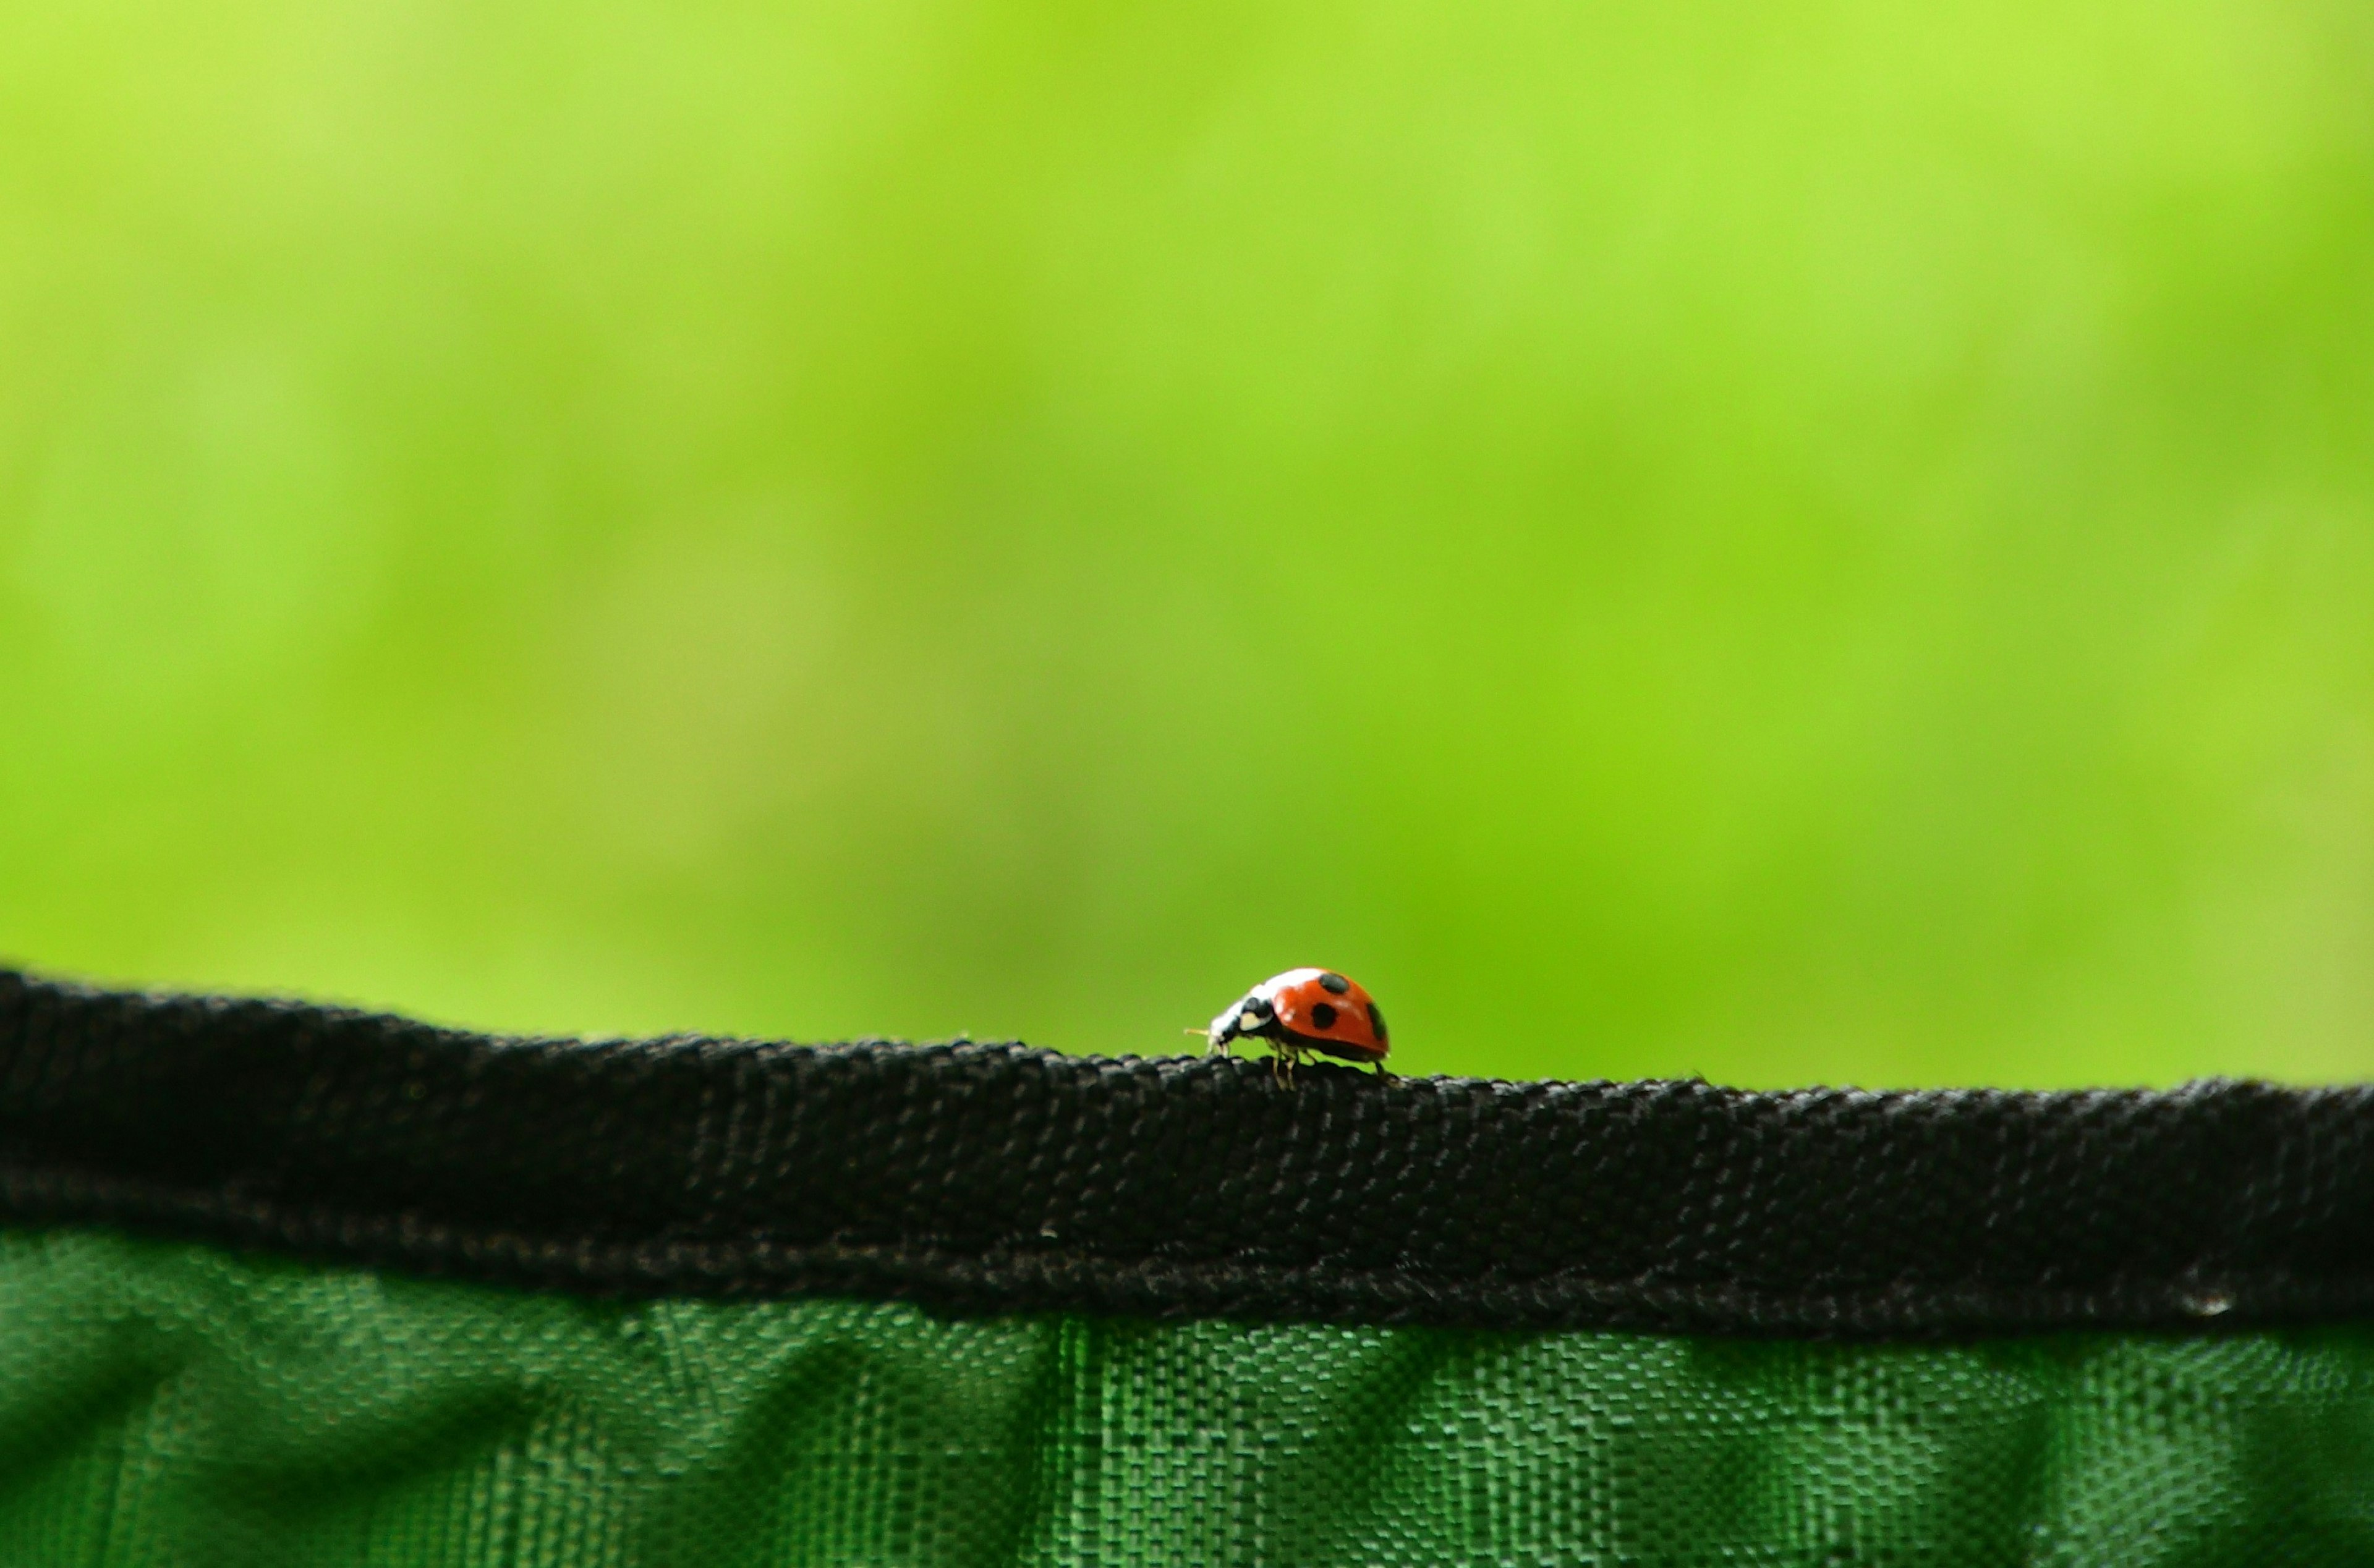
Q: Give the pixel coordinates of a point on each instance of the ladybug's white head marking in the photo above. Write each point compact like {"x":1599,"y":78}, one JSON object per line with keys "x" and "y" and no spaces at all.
{"x":1256,"y":1011}
{"x":1246,"y":1015}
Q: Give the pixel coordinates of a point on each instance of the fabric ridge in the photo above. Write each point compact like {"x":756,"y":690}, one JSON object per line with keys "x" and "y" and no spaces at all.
{"x":997,"y":1179}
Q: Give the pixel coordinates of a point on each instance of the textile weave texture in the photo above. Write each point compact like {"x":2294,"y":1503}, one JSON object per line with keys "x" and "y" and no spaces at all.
{"x":998,"y":1179}
{"x":290,"y":1285}
{"x":171,"y":1403}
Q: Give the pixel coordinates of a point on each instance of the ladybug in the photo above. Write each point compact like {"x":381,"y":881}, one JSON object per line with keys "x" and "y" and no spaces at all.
{"x":1305,"y":1009}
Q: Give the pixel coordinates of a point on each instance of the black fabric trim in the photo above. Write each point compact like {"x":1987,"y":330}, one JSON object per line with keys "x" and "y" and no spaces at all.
{"x":994,"y":1178}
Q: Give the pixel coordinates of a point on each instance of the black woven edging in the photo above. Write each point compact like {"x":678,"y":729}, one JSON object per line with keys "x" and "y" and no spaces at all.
{"x":999,"y":1178}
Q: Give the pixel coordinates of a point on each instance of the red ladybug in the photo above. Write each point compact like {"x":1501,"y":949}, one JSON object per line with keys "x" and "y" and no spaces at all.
{"x":1305,"y":1009}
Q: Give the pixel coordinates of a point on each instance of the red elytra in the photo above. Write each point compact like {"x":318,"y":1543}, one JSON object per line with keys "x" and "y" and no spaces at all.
{"x":1305,"y":1009}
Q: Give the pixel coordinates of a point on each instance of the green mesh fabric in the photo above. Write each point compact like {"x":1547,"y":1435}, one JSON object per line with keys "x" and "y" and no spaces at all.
{"x":165,"y":1403}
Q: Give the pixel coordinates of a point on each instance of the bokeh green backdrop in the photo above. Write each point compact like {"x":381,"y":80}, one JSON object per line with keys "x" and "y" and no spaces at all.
{"x":1810,"y":540}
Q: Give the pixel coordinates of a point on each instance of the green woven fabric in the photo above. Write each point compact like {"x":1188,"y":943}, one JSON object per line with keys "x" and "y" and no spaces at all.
{"x":166,"y":1403}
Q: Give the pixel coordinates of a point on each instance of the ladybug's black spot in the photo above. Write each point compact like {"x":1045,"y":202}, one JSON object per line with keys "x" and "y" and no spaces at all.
{"x":1377,"y":1022}
{"x":1322,"y":1013}
{"x":1336,"y":984}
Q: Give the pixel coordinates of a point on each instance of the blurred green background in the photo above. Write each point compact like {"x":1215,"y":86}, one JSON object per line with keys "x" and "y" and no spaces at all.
{"x":1802,"y":541}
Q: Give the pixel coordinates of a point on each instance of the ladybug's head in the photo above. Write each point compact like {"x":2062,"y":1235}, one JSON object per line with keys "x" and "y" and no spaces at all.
{"x":1252,"y":1015}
